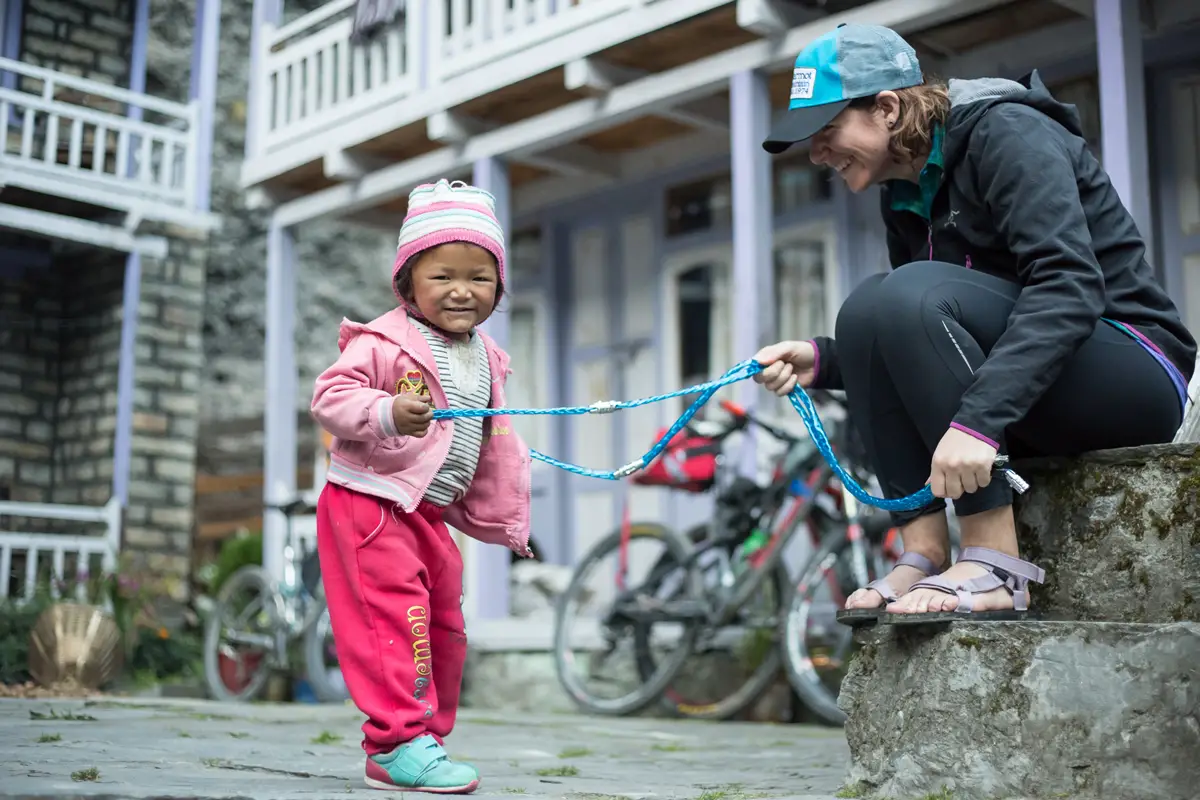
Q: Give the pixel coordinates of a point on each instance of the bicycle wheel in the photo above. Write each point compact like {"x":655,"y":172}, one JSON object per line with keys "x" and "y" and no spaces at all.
{"x":817,"y":650}
{"x":320,"y":659}
{"x":239,"y":636}
{"x":621,"y":612}
{"x":745,"y":654}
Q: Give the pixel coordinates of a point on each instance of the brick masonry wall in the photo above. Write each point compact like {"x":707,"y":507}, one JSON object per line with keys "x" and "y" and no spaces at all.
{"x":88,"y":38}
{"x":29,"y":314}
{"x":89,"y":356}
{"x":343,"y":270}
{"x":158,"y":518}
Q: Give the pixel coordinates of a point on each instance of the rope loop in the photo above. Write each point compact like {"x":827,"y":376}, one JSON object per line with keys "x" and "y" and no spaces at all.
{"x":746,"y":369}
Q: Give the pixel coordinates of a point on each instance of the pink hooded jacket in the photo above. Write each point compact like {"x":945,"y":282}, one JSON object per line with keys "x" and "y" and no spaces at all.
{"x":353,"y":401}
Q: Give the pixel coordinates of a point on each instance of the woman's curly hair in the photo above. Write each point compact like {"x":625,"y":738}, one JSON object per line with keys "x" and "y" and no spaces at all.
{"x":921,"y":107}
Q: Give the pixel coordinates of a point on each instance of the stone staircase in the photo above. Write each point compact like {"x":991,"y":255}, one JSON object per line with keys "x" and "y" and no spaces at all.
{"x":1101,"y":701}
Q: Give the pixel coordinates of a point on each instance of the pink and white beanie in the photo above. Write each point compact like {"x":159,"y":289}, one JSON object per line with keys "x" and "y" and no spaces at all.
{"x":449,"y":212}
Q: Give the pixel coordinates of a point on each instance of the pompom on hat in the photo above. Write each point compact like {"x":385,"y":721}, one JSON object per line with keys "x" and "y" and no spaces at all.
{"x":444,"y":212}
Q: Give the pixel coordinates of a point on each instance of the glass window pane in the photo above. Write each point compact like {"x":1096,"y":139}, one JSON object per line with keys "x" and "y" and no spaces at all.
{"x":525,"y":257}
{"x":695,"y":322}
{"x":797,"y":183}
{"x":699,"y":206}
{"x":800,"y":287}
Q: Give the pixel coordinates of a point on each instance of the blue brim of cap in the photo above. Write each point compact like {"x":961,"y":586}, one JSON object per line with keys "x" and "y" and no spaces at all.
{"x":801,"y":124}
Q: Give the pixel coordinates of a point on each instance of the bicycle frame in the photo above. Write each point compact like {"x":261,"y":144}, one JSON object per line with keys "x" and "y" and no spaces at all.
{"x":295,"y":611}
{"x":789,"y":509}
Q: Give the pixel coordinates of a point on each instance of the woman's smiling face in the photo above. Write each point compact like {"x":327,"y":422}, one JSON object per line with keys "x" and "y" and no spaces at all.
{"x":855,"y":143}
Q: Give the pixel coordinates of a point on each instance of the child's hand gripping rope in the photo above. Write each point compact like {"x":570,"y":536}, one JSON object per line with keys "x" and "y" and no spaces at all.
{"x":747,"y":369}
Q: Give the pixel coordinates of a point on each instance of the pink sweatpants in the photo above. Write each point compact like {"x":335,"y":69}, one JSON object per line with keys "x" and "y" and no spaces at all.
{"x":394,"y":585}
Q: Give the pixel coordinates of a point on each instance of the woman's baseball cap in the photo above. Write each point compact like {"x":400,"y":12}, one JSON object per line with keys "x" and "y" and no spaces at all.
{"x":849,"y":62}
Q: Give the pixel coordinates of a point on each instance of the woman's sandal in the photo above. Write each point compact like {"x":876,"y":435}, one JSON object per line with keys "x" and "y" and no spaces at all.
{"x":1004,"y":571}
{"x":858,"y":617}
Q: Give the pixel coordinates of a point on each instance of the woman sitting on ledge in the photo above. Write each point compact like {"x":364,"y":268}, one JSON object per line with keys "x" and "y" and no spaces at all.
{"x":1020,"y":318}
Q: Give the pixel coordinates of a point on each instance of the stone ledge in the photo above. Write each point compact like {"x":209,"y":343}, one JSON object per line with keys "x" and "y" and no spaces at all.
{"x":1016,"y":711}
{"x":1118,"y":533}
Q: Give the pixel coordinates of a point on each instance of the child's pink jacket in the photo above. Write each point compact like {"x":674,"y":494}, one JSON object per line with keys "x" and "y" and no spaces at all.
{"x":353,"y":401}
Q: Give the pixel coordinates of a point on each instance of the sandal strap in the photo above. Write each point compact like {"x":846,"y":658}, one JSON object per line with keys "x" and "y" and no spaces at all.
{"x":885,"y":590}
{"x":994,"y":559}
{"x":966,"y":591}
{"x":915,"y":560}
{"x":940,"y":584}
{"x":907,"y":559}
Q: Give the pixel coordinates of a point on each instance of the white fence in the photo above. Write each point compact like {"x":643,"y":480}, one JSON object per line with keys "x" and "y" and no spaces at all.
{"x":471,"y":33}
{"x":314,"y":77}
{"x":80,"y":552}
{"x":72,"y":137}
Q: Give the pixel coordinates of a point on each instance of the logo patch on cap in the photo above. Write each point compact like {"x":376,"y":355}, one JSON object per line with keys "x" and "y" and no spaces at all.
{"x":803,"y":80}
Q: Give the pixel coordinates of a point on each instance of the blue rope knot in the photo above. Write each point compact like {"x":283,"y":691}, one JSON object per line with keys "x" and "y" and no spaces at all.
{"x":746,"y":369}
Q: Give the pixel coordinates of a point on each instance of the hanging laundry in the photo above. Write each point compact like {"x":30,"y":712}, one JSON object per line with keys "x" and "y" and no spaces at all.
{"x":372,"y":16}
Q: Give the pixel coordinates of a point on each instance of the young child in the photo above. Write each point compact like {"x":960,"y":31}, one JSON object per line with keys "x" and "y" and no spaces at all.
{"x":392,"y":573}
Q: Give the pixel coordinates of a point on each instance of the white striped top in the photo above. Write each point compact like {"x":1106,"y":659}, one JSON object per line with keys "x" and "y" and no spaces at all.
{"x":466,"y":379}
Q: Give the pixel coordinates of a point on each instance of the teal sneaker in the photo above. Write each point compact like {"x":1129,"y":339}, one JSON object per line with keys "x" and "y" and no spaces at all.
{"x":420,"y":766}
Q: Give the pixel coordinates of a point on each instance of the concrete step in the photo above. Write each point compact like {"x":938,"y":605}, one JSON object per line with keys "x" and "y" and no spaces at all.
{"x":1011,"y":710}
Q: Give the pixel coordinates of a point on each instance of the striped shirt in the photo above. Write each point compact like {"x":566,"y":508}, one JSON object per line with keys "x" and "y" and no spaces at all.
{"x":466,"y":379}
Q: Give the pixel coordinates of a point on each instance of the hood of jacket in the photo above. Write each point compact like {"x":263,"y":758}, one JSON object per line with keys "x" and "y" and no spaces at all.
{"x":971,"y":99}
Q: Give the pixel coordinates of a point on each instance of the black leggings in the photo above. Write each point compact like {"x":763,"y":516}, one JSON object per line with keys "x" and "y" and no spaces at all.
{"x":904,"y":380}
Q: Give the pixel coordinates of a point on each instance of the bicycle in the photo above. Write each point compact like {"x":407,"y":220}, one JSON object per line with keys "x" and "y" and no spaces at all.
{"x":731,"y":571}
{"x":864,"y":549}
{"x":728,"y":573}
{"x":274,"y":615}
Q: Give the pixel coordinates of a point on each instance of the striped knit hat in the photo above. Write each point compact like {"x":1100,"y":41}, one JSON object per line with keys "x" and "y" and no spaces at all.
{"x":449,"y":212}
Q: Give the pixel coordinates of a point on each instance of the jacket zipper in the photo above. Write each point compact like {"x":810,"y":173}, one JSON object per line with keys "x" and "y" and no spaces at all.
{"x":930,"y":240}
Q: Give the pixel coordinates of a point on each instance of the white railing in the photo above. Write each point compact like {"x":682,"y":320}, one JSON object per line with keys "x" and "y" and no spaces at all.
{"x":71,"y":136}
{"x":314,"y":77}
{"x":85,"y":551}
{"x":471,"y":33}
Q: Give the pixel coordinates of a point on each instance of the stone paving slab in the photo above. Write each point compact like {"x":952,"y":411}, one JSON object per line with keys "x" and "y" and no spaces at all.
{"x":201,"y":749}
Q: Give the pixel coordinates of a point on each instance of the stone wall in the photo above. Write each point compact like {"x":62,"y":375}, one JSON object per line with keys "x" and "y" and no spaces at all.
{"x":158,"y":518}
{"x":90,"y":284}
{"x":29,"y":316}
{"x":343,"y":270}
{"x":89,"y":38}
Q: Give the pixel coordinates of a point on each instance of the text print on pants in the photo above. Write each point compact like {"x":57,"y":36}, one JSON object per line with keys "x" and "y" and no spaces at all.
{"x":418,"y":621}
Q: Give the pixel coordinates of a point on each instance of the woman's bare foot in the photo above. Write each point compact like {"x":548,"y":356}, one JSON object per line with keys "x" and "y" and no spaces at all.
{"x":926,"y":552}
{"x":899,"y":579}
{"x":994,"y":530}
{"x":921,"y":601}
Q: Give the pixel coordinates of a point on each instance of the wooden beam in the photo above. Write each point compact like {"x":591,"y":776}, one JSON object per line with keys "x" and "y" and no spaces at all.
{"x":569,"y":159}
{"x":450,"y":128}
{"x":583,"y":117}
{"x":342,"y":165}
{"x":1084,"y":8}
{"x":596,"y":77}
{"x":269,"y":197}
{"x":773,"y":18}
{"x":72,"y":229}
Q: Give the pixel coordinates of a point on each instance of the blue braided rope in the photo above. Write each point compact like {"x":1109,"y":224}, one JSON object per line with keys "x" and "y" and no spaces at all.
{"x":747,"y":369}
